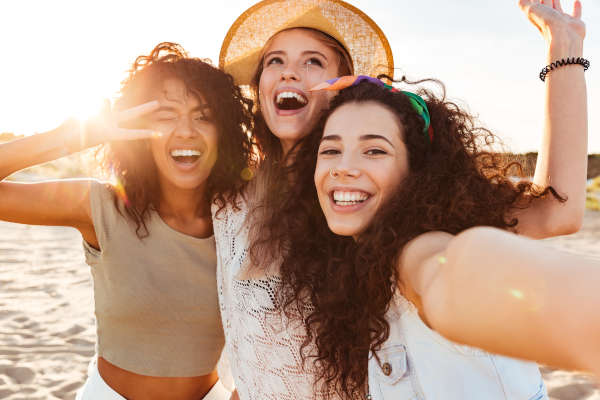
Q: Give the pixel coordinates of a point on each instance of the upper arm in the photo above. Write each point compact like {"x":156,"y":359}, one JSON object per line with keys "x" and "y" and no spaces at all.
{"x":60,"y":203}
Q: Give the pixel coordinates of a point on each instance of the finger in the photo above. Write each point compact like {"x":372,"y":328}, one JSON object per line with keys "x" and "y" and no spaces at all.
{"x":137,"y":111}
{"x":547,"y":3}
{"x":136,"y":134}
{"x":558,"y":6}
{"x":524,"y":4}
{"x":577,"y":9}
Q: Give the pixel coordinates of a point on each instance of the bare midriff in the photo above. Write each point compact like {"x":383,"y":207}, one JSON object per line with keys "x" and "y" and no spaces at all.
{"x":133,"y":386}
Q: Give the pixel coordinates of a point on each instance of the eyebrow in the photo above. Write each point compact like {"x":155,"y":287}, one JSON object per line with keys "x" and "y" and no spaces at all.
{"x":304,"y":53}
{"x":201,"y":107}
{"x":337,"y":138}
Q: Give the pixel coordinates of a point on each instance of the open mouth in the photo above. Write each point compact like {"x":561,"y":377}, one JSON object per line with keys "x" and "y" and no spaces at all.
{"x":289,"y":100}
{"x":349,"y":198}
{"x":185,"y":156}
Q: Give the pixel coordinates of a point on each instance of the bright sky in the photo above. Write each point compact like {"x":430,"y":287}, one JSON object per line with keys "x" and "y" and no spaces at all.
{"x":63,"y":57}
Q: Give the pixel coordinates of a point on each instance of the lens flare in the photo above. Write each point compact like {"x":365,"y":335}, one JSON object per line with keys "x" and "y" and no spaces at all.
{"x":119,"y":189}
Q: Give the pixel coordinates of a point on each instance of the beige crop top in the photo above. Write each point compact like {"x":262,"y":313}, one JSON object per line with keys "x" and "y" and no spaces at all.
{"x":156,"y":303}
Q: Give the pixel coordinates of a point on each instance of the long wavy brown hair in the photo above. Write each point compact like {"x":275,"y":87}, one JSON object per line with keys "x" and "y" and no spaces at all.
{"x":132,"y":163}
{"x":342,"y":288}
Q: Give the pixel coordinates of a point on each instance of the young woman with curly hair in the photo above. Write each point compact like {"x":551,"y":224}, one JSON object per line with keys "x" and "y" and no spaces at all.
{"x":176,"y":143}
{"x":387,"y":247}
{"x":304,"y":42}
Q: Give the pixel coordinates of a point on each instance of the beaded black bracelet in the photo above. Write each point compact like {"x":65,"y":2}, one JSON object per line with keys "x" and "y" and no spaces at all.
{"x":561,"y":63}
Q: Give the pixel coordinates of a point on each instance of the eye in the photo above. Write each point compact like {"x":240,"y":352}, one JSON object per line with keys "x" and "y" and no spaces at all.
{"x":203,"y":117}
{"x":375,"y":152}
{"x":329,"y":152}
{"x":274,"y":60}
{"x":314,"y":61}
{"x":161,"y":117}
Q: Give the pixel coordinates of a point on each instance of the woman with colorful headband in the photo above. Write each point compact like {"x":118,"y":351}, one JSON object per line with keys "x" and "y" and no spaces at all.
{"x":175,"y":144}
{"x":283,"y":49}
{"x":393,"y":258}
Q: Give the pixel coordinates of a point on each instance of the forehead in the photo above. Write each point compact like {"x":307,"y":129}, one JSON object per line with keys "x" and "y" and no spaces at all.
{"x":298,"y":40}
{"x":175,"y":90}
{"x":356,"y":119}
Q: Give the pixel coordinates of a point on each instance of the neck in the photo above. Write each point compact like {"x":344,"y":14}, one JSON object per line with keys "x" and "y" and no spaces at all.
{"x":286,"y":148}
{"x":185,"y":210}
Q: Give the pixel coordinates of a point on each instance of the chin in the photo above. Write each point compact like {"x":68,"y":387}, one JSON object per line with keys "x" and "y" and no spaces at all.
{"x":288,"y":133}
{"x":344,"y":229}
{"x":187,"y":184}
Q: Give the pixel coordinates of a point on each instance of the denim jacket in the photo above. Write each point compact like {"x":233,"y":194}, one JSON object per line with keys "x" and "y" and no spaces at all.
{"x":417,"y":363}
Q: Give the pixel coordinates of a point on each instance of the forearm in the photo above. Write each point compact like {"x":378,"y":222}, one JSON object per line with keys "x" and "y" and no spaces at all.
{"x":514,"y":296}
{"x":562,"y":158}
{"x":37,"y":149}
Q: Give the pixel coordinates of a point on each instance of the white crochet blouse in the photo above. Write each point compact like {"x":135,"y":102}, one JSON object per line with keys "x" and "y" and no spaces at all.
{"x":263,"y":350}
{"x":414,"y":363}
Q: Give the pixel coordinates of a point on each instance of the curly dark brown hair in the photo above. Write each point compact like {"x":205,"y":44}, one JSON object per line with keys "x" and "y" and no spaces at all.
{"x":132,"y":162}
{"x":342,"y":288}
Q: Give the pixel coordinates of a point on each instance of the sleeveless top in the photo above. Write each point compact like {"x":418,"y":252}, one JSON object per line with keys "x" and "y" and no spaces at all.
{"x":155,"y":298}
{"x":263,"y":347}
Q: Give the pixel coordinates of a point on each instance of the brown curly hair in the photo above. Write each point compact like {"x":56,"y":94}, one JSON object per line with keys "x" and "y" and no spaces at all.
{"x":342,"y":288}
{"x":132,"y":162}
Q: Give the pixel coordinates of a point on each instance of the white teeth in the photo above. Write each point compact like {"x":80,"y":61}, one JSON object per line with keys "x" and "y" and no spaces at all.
{"x":349,"y":198}
{"x":185,"y":153}
{"x":291,"y":95}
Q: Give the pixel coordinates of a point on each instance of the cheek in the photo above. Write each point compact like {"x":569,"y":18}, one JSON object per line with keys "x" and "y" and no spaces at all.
{"x":157,"y":147}
{"x":263,"y":86}
{"x":321,"y":173}
{"x":390,"y":183}
{"x":212,"y":141}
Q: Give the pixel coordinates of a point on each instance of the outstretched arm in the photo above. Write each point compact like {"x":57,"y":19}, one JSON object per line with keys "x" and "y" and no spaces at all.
{"x":562,"y":158}
{"x":507,"y":294}
{"x":64,"y":202}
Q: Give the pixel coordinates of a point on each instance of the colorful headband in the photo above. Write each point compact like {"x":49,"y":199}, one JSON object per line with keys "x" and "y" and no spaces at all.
{"x":417,"y":102}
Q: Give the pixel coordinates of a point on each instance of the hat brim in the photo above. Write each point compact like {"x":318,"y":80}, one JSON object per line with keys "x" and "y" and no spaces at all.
{"x":363,"y":39}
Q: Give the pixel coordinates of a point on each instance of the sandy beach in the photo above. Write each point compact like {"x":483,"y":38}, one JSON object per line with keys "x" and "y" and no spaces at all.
{"x":46,"y":313}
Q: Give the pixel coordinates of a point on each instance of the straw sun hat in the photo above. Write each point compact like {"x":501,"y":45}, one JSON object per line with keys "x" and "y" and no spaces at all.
{"x":362,"y":38}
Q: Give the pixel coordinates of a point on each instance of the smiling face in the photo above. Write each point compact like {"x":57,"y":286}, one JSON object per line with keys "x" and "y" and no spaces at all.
{"x":361,"y":162}
{"x":295,"y":61}
{"x":187,"y":150}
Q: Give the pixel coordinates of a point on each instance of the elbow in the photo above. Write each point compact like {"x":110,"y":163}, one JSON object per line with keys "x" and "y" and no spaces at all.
{"x":565,"y":221}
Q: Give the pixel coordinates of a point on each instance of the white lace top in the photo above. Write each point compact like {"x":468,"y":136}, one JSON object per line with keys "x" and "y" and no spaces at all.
{"x":263,"y":350}
{"x":414,"y":363}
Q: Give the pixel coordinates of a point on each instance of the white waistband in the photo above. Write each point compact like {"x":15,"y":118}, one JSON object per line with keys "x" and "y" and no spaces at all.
{"x":95,"y":388}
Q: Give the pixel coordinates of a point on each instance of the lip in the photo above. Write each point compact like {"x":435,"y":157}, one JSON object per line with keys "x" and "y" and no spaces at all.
{"x":287,"y":113}
{"x":347,"y":209}
{"x":185,"y":167}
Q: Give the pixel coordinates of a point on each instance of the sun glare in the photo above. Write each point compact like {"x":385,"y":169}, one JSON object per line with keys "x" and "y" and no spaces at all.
{"x":88,"y":108}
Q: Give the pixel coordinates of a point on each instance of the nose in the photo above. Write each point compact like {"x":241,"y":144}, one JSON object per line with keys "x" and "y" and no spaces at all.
{"x":289,"y":74}
{"x":345,"y":169}
{"x":184,"y":129}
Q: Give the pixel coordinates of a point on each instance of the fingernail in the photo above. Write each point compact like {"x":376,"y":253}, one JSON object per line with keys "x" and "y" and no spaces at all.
{"x":157,"y":134}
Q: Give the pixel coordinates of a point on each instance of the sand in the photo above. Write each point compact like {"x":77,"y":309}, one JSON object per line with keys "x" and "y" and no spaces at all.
{"x":46,"y":313}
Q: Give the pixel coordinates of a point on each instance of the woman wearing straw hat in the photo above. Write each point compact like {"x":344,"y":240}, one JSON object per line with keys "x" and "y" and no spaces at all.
{"x":283,"y":48}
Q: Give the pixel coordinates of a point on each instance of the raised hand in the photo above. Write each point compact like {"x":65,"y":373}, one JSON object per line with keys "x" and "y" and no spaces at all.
{"x":105,"y":127}
{"x":549,"y":17}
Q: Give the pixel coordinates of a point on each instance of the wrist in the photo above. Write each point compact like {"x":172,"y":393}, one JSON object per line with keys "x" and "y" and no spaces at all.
{"x":69,"y":136}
